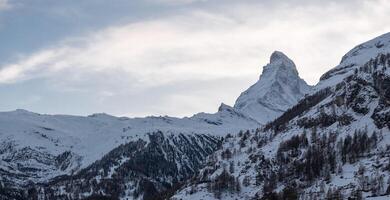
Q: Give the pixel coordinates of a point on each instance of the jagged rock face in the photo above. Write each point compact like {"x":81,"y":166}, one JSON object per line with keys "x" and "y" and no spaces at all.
{"x":278,"y":88}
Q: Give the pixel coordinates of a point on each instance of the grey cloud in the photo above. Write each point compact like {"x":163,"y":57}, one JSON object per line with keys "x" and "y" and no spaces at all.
{"x":183,"y":61}
{"x":4,"y":5}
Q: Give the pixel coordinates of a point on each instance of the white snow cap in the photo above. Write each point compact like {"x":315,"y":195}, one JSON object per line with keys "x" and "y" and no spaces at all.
{"x":355,"y":58}
{"x":278,"y":57}
{"x":224,"y":107}
{"x":278,"y":88}
{"x":279,"y":66}
{"x":367,"y":50}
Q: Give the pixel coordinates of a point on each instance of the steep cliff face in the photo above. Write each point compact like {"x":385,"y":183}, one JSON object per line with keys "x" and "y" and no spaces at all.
{"x":333,"y":144}
{"x":278,"y":88}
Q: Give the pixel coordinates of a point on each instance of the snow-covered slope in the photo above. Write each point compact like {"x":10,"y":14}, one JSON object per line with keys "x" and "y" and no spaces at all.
{"x":355,"y":58}
{"x":137,"y":169}
{"x":333,"y":144}
{"x":93,"y":136}
{"x":278,"y":88}
{"x":227,"y":117}
{"x":35,"y":148}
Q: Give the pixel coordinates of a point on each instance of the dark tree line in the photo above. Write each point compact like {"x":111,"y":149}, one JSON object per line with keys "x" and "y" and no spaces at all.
{"x":288,"y":193}
{"x":353,"y":147}
{"x":280,"y":123}
{"x":225,"y":182}
{"x":325,"y":120}
{"x":290,"y":148}
{"x":299,"y":159}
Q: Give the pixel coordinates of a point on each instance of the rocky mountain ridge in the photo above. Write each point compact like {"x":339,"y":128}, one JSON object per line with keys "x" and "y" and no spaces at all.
{"x":279,"y":87}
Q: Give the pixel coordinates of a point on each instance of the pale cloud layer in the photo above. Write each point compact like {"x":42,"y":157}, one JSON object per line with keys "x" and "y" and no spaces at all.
{"x":187,"y":62}
{"x":175,"y":2}
{"x":4,"y":5}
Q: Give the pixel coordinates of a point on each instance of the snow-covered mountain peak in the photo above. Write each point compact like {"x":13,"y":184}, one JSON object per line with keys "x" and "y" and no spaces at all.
{"x":279,"y":69}
{"x":22,"y":112}
{"x":355,"y":58}
{"x":279,"y":58}
{"x":367,"y":50}
{"x":224,"y":107}
{"x":278,"y":88}
{"x":104,"y":117}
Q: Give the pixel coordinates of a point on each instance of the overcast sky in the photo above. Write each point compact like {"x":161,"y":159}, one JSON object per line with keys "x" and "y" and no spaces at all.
{"x":166,"y":57}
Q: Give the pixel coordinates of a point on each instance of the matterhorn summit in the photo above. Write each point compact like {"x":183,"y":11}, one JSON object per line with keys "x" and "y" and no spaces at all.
{"x":278,"y":88}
